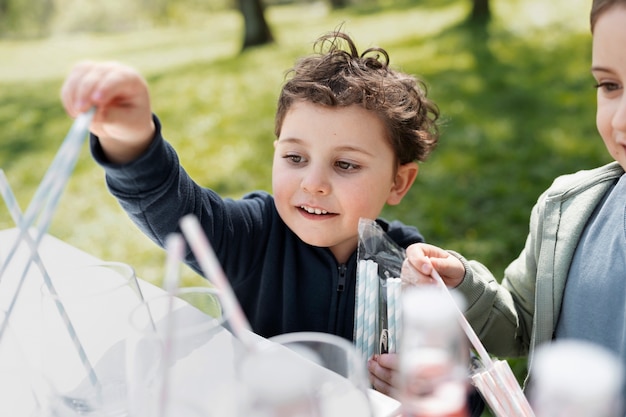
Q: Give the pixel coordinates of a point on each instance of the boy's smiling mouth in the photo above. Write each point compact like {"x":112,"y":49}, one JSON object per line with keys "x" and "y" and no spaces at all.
{"x":312,"y":210}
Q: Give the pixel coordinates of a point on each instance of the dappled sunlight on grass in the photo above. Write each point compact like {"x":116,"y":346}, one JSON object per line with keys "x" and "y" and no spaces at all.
{"x":516,"y":100}
{"x":151,"y":50}
{"x":555,"y":17}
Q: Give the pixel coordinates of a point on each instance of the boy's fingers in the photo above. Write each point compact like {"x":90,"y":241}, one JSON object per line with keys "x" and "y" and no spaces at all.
{"x":71,"y":86}
{"x":118,"y":85}
{"x":98,"y":84}
{"x":389,"y":361}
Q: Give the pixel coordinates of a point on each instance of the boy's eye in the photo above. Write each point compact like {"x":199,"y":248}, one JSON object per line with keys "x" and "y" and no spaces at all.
{"x":607,"y":86}
{"x":346,"y":166}
{"x":293,"y":158}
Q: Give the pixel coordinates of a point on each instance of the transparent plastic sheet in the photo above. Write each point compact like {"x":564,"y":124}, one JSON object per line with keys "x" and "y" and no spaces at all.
{"x":377,"y":315}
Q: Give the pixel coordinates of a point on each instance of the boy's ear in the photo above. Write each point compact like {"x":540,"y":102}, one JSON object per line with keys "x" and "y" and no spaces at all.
{"x":402,"y":183}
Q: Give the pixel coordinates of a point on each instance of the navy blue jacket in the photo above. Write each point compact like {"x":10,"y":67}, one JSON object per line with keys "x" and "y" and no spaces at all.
{"x":283,"y":284}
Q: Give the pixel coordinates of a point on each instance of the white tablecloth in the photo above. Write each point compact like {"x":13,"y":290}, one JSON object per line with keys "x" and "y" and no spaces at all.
{"x":58,"y":257}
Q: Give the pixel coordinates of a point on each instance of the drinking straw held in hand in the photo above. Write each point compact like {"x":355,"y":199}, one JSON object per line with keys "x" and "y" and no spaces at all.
{"x":213,"y":271}
{"x":44,"y":204}
{"x":467,"y":328}
{"x":49,"y":191}
{"x":496,"y":382}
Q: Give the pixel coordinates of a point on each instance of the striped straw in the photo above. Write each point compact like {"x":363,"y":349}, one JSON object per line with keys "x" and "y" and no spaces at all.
{"x":366,"y":308}
{"x":50,"y":188}
{"x":372,"y":306}
{"x":48,"y":191}
{"x":360,"y":307}
{"x":175,"y":247}
{"x":397,"y":296}
{"x":212,"y":269}
{"x":392,"y":310}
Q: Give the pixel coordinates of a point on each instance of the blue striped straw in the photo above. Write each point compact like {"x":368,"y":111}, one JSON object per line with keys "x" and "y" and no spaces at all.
{"x":366,"y":308}
{"x":372,"y":306}
{"x":213,"y":271}
{"x":48,"y":192}
{"x":363,"y":308}
{"x":53,"y":183}
{"x":11,"y":202}
{"x":391,"y":315}
{"x":398,"y":298}
{"x":360,"y":307}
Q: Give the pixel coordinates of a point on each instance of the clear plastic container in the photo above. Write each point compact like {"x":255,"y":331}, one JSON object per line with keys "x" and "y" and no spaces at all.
{"x":434,"y":355}
{"x":576,"y":378}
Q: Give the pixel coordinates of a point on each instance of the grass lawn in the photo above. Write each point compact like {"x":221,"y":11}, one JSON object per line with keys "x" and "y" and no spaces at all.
{"x":517,"y":101}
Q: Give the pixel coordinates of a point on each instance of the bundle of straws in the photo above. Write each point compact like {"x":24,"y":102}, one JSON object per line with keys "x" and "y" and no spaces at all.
{"x":378,"y":311}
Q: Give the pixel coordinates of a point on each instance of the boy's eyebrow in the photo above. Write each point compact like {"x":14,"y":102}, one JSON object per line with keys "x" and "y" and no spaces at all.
{"x":599,"y":69}
{"x":355,"y":149}
{"x":344,"y":148}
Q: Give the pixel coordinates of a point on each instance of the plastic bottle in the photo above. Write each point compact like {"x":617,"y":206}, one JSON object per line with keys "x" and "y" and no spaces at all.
{"x":576,"y":378}
{"x":434,"y":355}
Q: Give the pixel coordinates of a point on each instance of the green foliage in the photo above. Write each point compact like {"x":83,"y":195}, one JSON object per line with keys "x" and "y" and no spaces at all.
{"x":26,"y":18}
{"x":516,"y":99}
{"x":40,"y":18}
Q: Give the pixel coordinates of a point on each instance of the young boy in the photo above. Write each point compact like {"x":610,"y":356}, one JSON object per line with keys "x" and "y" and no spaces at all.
{"x":349,"y":132}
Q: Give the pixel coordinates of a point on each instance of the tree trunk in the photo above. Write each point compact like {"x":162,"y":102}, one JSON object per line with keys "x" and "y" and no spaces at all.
{"x":256,"y":29}
{"x":338,"y":4}
{"x":481,"y":13}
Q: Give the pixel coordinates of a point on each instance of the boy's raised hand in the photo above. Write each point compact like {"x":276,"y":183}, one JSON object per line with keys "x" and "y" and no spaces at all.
{"x":422,"y":258}
{"x":123,"y":120}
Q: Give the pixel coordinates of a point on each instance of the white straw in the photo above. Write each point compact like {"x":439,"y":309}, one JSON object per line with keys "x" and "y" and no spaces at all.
{"x":467,"y":328}
{"x":497,"y":382}
{"x":175,"y":247}
{"x":213,"y":271}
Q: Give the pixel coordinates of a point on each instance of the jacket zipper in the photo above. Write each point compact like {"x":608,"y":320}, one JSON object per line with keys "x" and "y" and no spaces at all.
{"x":341,"y":284}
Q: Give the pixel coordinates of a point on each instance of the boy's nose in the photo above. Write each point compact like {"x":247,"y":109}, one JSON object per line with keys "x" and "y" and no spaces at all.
{"x":315,"y":181}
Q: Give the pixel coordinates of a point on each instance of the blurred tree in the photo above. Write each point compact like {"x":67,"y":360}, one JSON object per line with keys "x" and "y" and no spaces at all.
{"x":20,"y":18}
{"x":481,"y":13}
{"x":256,"y":30}
{"x":338,"y":4}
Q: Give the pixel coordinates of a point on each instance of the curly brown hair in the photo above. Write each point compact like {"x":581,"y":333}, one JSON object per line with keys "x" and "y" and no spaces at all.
{"x":337,"y":75}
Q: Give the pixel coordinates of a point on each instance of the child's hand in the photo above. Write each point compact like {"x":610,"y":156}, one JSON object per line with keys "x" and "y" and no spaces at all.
{"x":123,"y":119}
{"x":382,"y":373}
{"x":422,"y":258}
